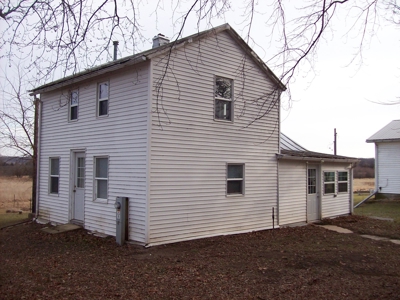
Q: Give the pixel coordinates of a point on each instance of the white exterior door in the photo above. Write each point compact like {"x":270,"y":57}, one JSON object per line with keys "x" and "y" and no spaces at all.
{"x":78,"y":196}
{"x":313,"y":193}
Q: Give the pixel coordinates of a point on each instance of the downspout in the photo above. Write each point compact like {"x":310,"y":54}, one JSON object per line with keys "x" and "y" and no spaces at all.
{"x":351,"y":188}
{"x":37,"y":145}
{"x":376,"y":168}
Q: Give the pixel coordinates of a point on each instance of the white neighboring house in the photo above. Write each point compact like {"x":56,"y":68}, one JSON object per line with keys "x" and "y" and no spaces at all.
{"x":387,"y":158}
{"x":313,"y":185}
{"x":168,"y":128}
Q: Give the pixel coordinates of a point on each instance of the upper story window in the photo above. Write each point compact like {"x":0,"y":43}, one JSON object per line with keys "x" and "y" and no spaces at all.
{"x":73,"y":105}
{"x":54,"y":175}
{"x":343,"y":182}
{"x":329,"y":182}
{"x":102,"y":98}
{"x":223,"y":99}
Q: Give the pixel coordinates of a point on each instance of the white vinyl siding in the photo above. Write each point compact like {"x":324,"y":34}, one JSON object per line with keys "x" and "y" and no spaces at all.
{"x":189,"y":151}
{"x":122,"y":136}
{"x":292,"y":192}
{"x":388,"y":167}
{"x":335,"y":204}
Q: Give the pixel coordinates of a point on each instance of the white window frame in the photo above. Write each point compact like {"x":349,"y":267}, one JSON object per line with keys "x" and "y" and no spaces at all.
{"x":223,"y":99}
{"x":71,"y":105}
{"x":99,"y":100}
{"x":230,"y":179}
{"x":51,"y":176}
{"x":330,"y":182}
{"x":343,"y":181}
{"x":97,"y":179}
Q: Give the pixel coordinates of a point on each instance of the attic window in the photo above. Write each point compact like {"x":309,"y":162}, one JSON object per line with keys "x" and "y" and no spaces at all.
{"x":223,"y":99}
{"x":102,"y":98}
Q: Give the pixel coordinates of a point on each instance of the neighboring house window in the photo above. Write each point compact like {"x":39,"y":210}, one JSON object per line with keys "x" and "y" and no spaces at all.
{"x":102,"y":98}
{"x":54,"y":175}
{"x":101,"y":177}
{"x":235,"y":179}
{"x":223,"y":99}
{"x":343,"y":182}
{"x":329,"y":182}
{"x":73,"y":105}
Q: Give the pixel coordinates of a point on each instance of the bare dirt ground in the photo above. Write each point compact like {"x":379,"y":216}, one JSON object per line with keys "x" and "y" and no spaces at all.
{"x":291,"y":263}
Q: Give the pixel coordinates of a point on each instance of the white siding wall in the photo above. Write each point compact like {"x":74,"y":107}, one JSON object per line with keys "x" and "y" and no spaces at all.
{"x":292,"y":192}
{"x":332,"y":206}
{"x":122,"y":136}
{"x":190,"y":151}
{"x":388,"y":156}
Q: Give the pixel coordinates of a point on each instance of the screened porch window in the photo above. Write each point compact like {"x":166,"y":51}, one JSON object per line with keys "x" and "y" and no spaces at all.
{"x":329,"y":182}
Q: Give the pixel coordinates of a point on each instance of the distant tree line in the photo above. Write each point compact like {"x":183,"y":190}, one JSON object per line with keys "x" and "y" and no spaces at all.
{"x":365,"y":168}
{"x":16,"y":166}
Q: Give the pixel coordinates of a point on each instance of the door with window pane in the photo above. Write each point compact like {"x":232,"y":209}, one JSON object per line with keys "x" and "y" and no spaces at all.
{"x":313,"y":205}
{"x":79,"y":188}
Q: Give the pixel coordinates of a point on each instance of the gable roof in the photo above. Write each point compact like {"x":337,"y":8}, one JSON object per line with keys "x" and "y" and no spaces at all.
{"x":290,"y":150}
{"x":154,"y":52}
{"x":389,"y":133}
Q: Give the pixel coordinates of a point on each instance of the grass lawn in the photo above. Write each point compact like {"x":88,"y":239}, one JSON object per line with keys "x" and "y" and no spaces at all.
{"x":380,"y":208}
{"x":12,"y":218}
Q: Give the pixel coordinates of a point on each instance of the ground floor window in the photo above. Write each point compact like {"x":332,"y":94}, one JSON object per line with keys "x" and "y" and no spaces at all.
{"x":329,"y":182}
{"x":343,"y":182}
{"x":54,"y":175}
{"x":101,"y":178}
{"x":235,"y":179}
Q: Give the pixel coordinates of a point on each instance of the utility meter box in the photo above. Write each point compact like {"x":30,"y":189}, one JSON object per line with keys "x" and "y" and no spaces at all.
{"x":121,"y":206}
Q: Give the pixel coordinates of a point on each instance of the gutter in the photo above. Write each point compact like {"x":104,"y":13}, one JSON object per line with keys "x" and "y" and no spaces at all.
{"x":315,"y":159}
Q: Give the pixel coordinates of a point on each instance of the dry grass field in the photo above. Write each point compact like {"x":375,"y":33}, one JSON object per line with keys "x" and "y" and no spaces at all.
{"x":363,"y":184}
{"x":15,"y":193}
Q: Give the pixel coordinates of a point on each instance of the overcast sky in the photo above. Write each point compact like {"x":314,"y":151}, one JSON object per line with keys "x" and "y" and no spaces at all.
{"x":335,"y":95}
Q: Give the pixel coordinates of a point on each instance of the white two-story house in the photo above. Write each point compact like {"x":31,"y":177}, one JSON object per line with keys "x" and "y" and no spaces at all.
{"x":188,"y":131}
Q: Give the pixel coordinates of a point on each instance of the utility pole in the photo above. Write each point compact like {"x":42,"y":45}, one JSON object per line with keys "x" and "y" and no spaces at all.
{"x":334,"y":141}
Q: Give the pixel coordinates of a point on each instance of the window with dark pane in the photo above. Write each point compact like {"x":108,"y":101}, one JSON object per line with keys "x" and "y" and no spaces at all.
{"x":54,"y":175}
{"x":235,"y":179}
{"x":343,"y":182}
{"x":103,"y":95}
{"x":74,"y":102}
{"x":223,"y":99}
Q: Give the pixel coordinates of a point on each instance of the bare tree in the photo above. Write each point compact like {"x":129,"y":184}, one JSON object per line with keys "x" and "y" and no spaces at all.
{"x":74,"y":34}
{"x":17,"y":117}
